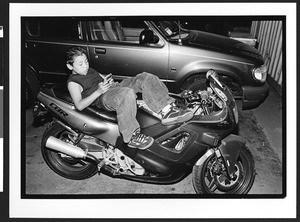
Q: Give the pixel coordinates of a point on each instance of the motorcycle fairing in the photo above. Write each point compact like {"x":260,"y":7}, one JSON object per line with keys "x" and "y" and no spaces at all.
{"x":176,"y":174}
{"x":165,"y":145}
{"x":81,"y":120}
{"x":230,"y":149}
{"x":61,"y":93}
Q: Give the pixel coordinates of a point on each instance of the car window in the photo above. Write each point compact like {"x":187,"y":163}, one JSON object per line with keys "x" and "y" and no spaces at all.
{"x":66,"y":28}
{"x":126,"y":31}
{"x":171,"y":29}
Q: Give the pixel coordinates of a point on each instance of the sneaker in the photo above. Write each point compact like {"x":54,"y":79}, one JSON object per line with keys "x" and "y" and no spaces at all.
{"x":176,"y":115}
{"x":140,"y":141}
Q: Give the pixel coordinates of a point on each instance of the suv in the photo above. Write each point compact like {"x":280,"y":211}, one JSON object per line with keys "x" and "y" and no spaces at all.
{"x":126,"y":46}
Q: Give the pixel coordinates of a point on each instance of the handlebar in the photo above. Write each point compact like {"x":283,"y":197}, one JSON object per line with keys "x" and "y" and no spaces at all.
{"x":212,"y":75}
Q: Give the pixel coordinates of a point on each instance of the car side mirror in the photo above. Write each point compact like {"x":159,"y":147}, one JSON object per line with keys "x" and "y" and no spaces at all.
{"x":147,"y":36}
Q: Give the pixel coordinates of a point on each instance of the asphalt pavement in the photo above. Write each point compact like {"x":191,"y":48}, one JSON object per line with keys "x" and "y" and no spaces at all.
{"x":261,"y":127}
{"x":270,"y":117}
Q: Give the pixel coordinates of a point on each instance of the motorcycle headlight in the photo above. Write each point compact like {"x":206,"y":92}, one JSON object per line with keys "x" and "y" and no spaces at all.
{"x":260,"y":73}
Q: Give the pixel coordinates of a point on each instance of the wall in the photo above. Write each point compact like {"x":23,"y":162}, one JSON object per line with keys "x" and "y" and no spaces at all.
{"x":269,"y":36}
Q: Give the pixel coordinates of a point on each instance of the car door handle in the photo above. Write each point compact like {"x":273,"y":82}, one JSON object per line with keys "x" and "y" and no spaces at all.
{"x":100,"y":51}
{"x":30,"y":45}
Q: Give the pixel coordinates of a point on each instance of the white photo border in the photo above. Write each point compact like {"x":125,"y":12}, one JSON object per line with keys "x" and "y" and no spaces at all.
{"x":1,"y":162}
{"x":148,"y":208}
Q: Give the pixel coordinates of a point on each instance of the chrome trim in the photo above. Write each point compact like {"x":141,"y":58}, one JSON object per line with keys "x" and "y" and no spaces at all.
{"x":204,"y":157}
{"x":65,"y":148}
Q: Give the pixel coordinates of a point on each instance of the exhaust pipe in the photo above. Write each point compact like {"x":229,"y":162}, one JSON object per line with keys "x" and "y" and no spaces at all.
{"x":66,"y":148}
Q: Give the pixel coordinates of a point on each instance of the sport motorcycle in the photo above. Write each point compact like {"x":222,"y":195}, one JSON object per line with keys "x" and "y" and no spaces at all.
{"x":79,"y":144}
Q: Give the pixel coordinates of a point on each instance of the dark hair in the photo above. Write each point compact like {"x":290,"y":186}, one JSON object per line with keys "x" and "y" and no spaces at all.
{"x":73,"y":52}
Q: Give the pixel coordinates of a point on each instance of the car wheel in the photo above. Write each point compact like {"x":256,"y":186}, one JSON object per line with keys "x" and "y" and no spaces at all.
{"x":32,"y":87}
{"x":199,"y":83}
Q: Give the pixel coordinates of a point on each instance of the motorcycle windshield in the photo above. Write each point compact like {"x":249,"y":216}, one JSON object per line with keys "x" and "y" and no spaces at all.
{"x":229,"y":103}
{"x":224,"y":94}
{"x":228,"y":114}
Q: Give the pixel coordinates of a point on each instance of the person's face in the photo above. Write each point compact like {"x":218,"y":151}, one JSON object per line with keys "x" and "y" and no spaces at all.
{"x":80,"y":65}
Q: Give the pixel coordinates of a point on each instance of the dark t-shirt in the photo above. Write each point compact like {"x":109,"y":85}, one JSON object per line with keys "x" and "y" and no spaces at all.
{"x":88,"y":82}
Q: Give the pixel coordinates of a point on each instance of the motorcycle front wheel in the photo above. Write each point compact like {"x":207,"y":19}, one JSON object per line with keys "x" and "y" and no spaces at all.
{"x":62,"y":164}
{"x":211,"y":176}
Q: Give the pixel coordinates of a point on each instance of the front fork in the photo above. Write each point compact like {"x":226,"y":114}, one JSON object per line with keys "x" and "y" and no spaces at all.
{"x":229,"y":150}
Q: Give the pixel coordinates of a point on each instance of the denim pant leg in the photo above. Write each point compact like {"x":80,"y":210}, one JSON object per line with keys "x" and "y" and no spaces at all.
{"x":154,"y":92}
{"x":123,"y":101}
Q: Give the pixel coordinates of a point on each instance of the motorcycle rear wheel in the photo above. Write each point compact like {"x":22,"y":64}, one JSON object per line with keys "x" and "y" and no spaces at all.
{"x":62,"y":164}
{"x":206,"y":181}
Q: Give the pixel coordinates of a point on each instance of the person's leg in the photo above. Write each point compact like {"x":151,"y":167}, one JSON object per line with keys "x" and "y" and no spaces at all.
{"x":156,"y":96}
{"x":123,"y":101}
{"x":154,"y":92}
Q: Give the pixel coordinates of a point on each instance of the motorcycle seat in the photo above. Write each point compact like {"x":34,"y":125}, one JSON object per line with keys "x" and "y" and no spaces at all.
{"x":61,"y":92}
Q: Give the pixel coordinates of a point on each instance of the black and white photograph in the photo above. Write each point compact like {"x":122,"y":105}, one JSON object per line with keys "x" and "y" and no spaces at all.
{"x":161,"y":106}
{"x":88,"y":143}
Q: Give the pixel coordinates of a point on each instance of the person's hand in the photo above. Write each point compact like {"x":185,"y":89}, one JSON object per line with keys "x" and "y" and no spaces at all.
{"x":107,"y":78}
{"x":103,"y":87}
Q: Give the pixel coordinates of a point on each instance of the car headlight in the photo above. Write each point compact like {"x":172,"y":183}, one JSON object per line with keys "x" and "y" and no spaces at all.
{"x":260,"y":73}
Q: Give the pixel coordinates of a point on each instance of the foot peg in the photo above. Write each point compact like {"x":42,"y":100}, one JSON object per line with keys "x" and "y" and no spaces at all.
{"x":100,"y":165}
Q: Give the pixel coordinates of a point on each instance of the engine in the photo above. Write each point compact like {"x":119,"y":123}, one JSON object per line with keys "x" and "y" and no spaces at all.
{"x":121,"y":163}
{"x":111,"y":156}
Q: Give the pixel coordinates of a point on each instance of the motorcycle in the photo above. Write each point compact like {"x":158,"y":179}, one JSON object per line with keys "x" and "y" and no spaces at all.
{"x":78,"y":144}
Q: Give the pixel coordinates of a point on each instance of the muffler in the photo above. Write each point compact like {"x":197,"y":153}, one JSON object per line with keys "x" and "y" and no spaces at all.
{"x":65,"y":148}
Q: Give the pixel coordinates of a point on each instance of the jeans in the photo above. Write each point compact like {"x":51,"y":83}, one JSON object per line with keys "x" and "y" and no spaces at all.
{"x":121,"y":97}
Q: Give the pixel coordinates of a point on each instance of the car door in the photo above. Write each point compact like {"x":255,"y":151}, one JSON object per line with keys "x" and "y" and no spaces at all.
{"x":114,"y":48}
{"x":46,"y":43}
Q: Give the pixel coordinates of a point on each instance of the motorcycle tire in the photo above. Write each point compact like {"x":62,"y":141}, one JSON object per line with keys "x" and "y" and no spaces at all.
{"x":62,"y":164}
{"x":207,"y":181}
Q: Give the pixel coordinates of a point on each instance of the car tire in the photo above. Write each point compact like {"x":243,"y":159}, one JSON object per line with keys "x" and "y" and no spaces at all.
{"x":32,"y":87}
{"x":199,"y":83}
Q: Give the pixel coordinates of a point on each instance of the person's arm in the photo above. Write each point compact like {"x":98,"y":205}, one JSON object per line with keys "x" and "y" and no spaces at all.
{"x":80,"y":103}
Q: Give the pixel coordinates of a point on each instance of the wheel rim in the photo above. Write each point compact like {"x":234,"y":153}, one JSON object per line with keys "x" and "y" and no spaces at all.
{"x":216,"y":180}
{"x":224,"y":183}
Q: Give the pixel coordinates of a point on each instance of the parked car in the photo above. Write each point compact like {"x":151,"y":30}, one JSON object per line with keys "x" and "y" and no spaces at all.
{"x":126,"y":46}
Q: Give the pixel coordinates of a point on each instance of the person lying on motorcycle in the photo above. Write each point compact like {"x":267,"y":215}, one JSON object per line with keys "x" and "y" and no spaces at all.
{"x":87,"y":86}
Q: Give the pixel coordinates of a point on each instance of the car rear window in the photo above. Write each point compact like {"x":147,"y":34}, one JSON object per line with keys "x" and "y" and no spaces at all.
{"x":66,"y":28}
